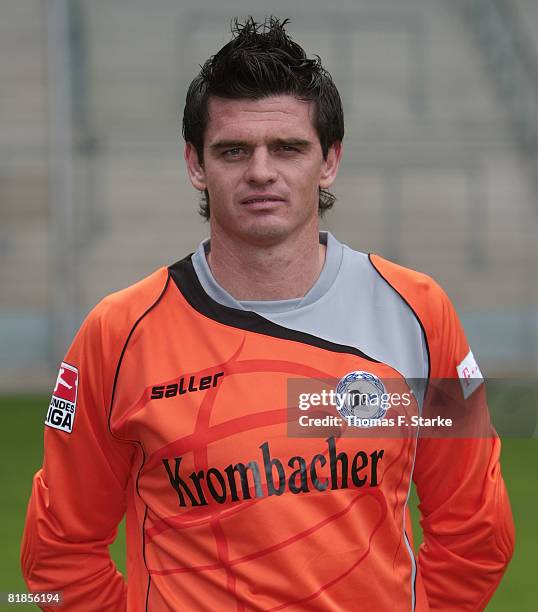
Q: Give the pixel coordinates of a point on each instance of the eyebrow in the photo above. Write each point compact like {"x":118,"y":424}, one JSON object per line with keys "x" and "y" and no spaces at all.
{"x":230,"y":144}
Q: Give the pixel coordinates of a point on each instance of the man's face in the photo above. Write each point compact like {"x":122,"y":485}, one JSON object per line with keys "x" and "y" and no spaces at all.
{"x":262,"y":167}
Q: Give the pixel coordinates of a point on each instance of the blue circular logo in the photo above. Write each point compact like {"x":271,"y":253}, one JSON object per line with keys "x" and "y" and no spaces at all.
{"x":361,"y":398}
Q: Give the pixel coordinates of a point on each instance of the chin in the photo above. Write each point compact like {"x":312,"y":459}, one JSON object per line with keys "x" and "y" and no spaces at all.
{"x":268,"y":232}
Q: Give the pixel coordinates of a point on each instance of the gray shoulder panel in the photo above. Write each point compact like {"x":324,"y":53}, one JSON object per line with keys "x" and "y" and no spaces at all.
{"x":363,"y":311}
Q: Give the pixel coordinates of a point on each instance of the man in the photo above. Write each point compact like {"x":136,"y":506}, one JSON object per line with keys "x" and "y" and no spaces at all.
{"x":179,"y":412}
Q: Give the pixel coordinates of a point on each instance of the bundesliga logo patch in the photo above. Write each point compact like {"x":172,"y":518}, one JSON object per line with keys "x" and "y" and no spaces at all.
{"x":61,"y":412}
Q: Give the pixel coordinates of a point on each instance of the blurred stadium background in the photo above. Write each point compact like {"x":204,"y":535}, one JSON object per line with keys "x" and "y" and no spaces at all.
{"x":440,"y":174}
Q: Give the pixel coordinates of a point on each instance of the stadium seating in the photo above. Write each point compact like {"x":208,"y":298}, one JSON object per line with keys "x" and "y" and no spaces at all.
{"x":432,"y":176}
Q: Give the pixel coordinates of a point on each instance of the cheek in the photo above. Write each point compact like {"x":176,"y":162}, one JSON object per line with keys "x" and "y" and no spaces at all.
{"x":220,"y":184}
{"x":309,"y":178}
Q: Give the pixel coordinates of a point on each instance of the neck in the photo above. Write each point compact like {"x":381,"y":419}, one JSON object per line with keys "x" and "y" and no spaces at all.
{"x":278,"y":271}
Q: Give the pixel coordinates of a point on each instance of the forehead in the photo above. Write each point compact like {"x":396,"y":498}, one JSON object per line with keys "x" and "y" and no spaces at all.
{"x":273,"y":116}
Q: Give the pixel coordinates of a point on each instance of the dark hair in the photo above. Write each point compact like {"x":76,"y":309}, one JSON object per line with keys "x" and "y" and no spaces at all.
{"x":262,"y":60}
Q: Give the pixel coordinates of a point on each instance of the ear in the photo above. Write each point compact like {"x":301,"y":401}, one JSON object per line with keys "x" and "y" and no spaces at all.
{"x":329,"y":167}
{"x":195,"y":170}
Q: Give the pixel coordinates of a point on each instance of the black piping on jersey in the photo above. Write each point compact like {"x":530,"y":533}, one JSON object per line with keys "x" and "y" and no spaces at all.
{"x":414,"y":314}
{"x":425,"y":393}
{"x":186,"y":279}
{"x":120,"y":360}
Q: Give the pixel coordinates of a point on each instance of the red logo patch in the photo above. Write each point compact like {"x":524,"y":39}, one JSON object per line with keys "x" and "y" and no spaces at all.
{"x":67,"y":383}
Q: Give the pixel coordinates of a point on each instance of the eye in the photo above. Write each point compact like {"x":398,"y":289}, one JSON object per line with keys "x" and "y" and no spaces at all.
{"x":233,"y":152}
{"x":288,"y":148}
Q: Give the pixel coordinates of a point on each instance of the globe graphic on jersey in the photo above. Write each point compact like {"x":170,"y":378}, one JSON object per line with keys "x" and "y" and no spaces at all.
{"x":360,"y":396}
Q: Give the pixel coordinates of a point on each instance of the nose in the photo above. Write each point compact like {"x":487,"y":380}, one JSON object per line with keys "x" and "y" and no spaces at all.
{"x":261,"y":169}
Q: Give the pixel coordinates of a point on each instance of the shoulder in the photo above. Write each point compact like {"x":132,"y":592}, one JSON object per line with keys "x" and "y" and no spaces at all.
{"x":415,"y":285}
{"x":444,"y":334}
{"x":410,"y":284}
{"x":388,"y":283}
{"x":114,"y":316}
{"x":421,"y":292}
{"x":98,"y":345}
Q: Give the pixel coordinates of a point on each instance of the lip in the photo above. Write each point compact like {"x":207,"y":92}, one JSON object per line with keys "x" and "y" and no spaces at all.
{"x":261,"y":199}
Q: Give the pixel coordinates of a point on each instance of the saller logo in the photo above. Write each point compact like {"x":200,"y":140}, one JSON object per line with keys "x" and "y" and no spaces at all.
{"x":244,"y":480}
{"x":63,"y":404}
{"x":184,"y":385}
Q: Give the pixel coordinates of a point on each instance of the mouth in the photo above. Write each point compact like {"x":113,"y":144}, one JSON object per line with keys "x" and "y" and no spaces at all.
{"x":257,"y":201}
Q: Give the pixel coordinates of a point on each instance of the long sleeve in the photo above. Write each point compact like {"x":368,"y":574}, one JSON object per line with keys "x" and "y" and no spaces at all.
{"x":78,"y":497}
{"x":466,"y":516}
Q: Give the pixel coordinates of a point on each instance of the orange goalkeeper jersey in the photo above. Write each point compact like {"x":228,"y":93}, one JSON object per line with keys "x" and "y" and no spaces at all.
{"x":201,"y":419}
